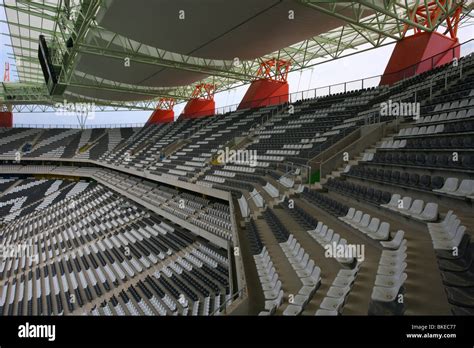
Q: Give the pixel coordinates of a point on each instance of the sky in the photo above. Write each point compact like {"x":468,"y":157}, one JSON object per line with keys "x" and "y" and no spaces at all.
{"x":352,"y":68}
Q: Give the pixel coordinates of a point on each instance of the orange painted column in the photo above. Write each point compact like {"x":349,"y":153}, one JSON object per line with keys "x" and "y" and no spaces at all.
{"x":199,"y":107}
{"x":418,"y":53}
{"x":161,"y":116}
{"x":6,"y":119}
{"x":265,"y":92}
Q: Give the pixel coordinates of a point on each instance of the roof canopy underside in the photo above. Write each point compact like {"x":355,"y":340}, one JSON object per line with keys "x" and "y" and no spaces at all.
{"x":129,"y":51}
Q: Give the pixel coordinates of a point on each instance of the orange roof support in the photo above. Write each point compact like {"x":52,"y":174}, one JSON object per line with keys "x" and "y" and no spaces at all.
{"x":204,"y":91}
{"x":166,"y":104}
{"x":425,"y":15}
{"x":274,"y":69}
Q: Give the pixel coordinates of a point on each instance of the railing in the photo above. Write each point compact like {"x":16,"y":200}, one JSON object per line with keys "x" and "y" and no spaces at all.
{"x":110,"y":125}
{"x":240,"y":276}
{"x":464,"y":49}
{"x":353,"y":144}
{"x":223,"y":307}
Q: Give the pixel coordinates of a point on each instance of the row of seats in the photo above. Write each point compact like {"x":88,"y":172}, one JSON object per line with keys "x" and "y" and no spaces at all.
{"x":413,"y":131}
{"x":359,"y":191}
{"x":455,"y":104}
{"x":453,"y":187}
{"x":326,"y":203}
{"x":326,"y":237}
{"x":439,"y":142}
{"x":398,"y":178}
{"x":363,"y":222}
{"x":388,"y":291}
{"x":448,"y":233}
{"x":454,"y":252}
{"x":413,"y":208}
{"x":453,"y":115}
{"x":301,"y":216}
{"x":307,"y":272}
{"x":269,"y":281}
{"x":333,"y":302}
{"x":419,"y":159}
{"x":452,"y":127}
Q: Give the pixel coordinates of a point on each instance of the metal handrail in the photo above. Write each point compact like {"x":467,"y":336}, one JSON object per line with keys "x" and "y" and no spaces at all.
{"x":231,"y":299}
{"x":91,"y":126}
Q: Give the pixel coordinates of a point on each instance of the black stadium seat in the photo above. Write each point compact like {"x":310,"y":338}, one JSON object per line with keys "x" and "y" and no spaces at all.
{"x":431,"y":160}
{"x":434,"y":143}
{"x":444,"y":143}
{"x":402,"y":158}
{"x":468,"y":162}
{"x":413,"y":180}
{"x":442,"y":160}
{"x":404,"y":178}
{"x":468,"y":142}
{"x":425,"y":181}
{"x":395,"y":176}
{"x":420,"y":159}
{"x":437,"y":182}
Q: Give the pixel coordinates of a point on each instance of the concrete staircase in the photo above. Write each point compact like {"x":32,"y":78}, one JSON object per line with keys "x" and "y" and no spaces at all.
{"x":175,"y":147}
{"x":355,"y":161}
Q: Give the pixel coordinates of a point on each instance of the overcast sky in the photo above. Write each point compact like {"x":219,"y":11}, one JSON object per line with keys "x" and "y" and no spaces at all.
{"x":355,"y":67}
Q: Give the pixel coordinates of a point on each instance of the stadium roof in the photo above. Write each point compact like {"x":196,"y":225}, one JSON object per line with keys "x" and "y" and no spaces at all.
{"x":172,"y":45}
